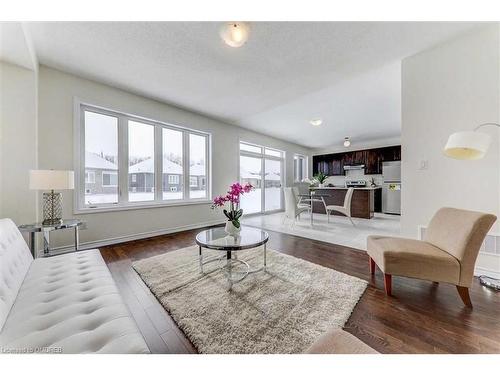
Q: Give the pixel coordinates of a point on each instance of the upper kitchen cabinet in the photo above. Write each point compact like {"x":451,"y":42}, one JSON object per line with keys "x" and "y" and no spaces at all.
{"x":333,"y":164}
{"x":373,"y":163}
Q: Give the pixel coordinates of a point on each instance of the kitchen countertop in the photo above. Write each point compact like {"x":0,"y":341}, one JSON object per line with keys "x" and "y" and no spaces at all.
{"x":344,"y":188}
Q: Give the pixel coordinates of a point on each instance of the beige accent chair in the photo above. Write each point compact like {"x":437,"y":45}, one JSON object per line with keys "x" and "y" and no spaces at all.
{"x":292,"y":210}
{"x":338,"y":341}
{"x":344,"y":209}
{"x":447,"y":254}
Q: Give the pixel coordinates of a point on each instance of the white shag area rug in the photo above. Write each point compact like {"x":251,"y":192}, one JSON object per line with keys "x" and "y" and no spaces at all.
{"x":281,"y":310}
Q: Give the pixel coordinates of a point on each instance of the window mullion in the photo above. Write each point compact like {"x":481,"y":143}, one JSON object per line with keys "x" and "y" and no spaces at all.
{"x":122,"y":160}
{"x":186,"y":164}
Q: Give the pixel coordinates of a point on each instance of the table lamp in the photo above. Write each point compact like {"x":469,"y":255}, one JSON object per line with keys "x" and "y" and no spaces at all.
{"x":472,"y":145}
{"x":43,"y":179}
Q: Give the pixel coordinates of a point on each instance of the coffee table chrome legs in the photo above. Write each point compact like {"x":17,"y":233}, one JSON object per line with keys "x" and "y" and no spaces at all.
{"x":233,"y":276}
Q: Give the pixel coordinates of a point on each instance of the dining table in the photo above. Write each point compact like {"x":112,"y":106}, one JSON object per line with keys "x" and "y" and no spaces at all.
{"x":312,"y":197}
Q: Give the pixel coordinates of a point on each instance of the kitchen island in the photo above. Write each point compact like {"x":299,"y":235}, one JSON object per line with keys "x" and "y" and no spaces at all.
{"x":365,"y":200}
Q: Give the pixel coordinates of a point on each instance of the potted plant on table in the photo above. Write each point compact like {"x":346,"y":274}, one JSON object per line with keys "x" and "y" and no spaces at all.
{"x":321,"y":178}
{"x":236,"y":190}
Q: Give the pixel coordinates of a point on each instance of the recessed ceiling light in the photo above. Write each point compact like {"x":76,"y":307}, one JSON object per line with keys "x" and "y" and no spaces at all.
{"x":316,"y":122}
{"x":235,"y":34}
{"x":347,"y":142}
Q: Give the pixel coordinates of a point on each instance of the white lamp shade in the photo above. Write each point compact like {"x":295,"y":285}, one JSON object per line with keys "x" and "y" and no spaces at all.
{"x":467,"y":145}
{"x":43,"y":179}
{"x":235,"y":34}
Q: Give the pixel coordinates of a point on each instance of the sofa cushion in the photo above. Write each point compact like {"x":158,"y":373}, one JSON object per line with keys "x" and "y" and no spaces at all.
{"x":15,"y":260}
{"x":338,"y":341}
{"x":70,"y":304}
{"x":413,"y":258}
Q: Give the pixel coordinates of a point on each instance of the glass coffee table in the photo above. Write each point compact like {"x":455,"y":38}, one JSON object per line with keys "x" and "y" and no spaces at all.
{"x":217,"y":239}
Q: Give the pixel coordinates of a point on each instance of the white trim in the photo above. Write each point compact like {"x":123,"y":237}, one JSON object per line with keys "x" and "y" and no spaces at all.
{"x":132,"y":237}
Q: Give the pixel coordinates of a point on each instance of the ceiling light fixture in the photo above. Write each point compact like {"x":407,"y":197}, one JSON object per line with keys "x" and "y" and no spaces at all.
{"x":235,"y":34}
{"x":316,"y":122}
{"x":347,"y":142}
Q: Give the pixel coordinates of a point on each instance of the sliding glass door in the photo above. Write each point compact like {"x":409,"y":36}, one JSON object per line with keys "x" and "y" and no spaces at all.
{"x":250,"y":172}
{"x":263,"y":168}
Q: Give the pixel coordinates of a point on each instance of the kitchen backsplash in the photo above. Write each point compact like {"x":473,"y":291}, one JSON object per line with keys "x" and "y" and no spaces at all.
{"x":356,"y":174}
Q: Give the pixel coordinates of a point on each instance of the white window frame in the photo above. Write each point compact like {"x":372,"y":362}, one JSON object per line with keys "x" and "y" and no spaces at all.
{"x":123,"y":204}
{"x":173,"y":179}
{"x":305,"y":162}
{"x":109,"y":173}
{"x":90,"y":180}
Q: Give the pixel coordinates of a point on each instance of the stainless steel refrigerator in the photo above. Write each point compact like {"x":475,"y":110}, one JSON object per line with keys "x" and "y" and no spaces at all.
{"x":391,"y":188}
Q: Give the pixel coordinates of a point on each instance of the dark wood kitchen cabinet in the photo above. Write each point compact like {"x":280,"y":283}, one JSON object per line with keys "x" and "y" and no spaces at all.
{"x":333,"y":164}
{"x":373,"y":163}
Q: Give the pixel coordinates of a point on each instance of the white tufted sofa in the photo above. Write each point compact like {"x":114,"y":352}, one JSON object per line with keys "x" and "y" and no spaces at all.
{"x":63,"y":304}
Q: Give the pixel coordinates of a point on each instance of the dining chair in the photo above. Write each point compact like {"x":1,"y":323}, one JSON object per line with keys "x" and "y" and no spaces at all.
{"x":345,"y":209}
{"x":292,"y":209}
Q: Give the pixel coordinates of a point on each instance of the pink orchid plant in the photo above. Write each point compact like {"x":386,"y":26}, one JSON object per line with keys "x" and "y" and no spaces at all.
{"x":236,"y":190}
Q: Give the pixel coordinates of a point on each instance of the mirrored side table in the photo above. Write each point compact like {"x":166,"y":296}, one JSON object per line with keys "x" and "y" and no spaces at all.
{"x":32,"y":229}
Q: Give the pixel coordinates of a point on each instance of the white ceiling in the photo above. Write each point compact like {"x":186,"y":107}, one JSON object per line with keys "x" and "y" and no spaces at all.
{"x":347,"y":73}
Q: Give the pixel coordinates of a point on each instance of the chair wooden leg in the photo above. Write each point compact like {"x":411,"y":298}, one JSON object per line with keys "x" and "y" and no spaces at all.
{"x":372,"y":266}
{"x":464,"y":294}
{"x":388,"y":284}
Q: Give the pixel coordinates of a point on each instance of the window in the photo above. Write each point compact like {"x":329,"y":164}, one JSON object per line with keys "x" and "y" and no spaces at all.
{"x":100,"y":154}
{"x":173,"y":156}
{"x":141,"y":161}
{"x":274,"y":153}
{"x":89,"y":177}
{"x":109,"y":179}
{"x":299,"y":168}
{"x":250,"y":148}
{"x":132,"y":161}
{"x":197,"y":165}
{"x":173,"y":179}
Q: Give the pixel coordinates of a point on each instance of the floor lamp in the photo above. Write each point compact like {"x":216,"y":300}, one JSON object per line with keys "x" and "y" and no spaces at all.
{"x":472,"y":145}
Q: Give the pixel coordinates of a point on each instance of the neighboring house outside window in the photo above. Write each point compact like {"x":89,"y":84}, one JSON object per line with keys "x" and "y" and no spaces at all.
{"x":193,"y":181}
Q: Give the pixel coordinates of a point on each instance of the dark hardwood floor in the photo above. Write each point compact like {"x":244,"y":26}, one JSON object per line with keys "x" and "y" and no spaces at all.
{"x":420,"y":317}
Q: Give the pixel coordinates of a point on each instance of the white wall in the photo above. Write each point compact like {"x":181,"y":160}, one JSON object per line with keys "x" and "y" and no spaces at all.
{"x":57,"y":92}
{"x":454,"y":86}
{"x":18,"y":142}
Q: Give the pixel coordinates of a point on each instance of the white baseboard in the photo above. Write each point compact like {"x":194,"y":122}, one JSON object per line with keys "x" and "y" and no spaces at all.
{"x":132,"y":237}
{"x":486,"y":272}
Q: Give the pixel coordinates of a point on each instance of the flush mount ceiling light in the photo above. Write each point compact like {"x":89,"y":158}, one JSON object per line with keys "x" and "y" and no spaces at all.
{"x":347,"y":142}
{"x":316,"y":122}
{"x":234,"y":34}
